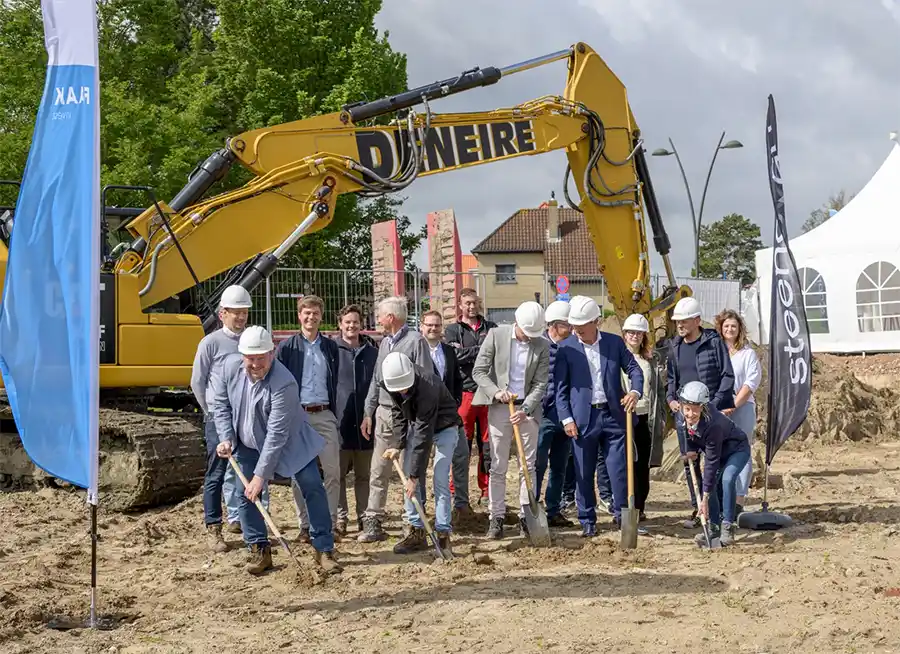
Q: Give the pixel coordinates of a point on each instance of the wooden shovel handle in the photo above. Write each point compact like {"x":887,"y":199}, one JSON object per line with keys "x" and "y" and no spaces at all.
{"x":520,"y":447}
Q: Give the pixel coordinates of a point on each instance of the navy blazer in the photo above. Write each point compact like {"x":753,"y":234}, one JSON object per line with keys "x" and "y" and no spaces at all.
{"x":575,"y":387}
{"x":292,"y":351}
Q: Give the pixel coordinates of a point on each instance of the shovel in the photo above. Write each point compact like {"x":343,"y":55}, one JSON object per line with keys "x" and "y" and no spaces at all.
{"x":715,"y":543}
{"x":446,"y":555}
{"x":535,"y":517}
{"x":630,"y":515}
{"x":265,"y":514}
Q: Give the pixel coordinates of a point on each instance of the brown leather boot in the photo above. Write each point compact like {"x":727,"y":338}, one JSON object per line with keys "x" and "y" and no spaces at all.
{"x":328,"y":563}
{"x":214,"y":539}
{"x":260,"y":559}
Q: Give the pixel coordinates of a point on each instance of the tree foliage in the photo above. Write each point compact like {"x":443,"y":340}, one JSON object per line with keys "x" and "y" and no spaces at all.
{"x":728,"y":247}
{"x":178,"y":77}
{"x":823,"y":213}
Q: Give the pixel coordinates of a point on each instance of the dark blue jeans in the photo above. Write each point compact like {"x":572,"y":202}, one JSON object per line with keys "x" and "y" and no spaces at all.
{"x":604,"y":485}
{"x":214,"y":479}
{"x":310,"y":482}
{"x":722,"y":503}
{"x":554,"y":448}
{"x":220,"y":480}
{"x":603,"y":436}
{"x":682,"y":444}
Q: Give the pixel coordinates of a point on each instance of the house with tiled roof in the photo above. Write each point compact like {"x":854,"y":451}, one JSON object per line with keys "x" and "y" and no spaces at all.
{"x":523,"y":257}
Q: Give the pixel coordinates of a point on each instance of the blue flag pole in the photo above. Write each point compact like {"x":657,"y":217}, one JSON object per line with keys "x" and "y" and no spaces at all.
{"x":50,"y":311}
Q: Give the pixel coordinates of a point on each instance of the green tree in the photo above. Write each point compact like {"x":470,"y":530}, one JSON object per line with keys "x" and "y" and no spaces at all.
{"x":178,"y":77}
{"x":728,"y":246}
{"x":823,"y":213}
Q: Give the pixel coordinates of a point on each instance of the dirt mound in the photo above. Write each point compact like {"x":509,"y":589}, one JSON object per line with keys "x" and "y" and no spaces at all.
{"x":842,"y":407}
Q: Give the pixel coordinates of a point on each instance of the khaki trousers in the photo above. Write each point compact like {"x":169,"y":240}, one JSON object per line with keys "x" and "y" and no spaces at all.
{"x":501,"y":435}
{"x":326,"y":424}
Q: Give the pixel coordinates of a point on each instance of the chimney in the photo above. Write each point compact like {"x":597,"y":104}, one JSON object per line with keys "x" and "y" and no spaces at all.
{"x":553,"y":234}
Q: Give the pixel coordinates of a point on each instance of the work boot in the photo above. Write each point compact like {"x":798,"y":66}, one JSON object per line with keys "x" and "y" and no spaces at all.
{"x":372,"y":531}
{"x":413,"y":542}
{"x":559,"y":520}
{"x":523,"y":528}
{"x":728,"y":534}
{"x":444,"y":541}
{"x":588,"y":529}
{"x":340,"y":528}
{"x":495,"y":529}
{"x":234,"y":527}
{"x":303,"y":536}
{"x":214,"y":539}
{"x":693,"y":522}
{"x":327,"y":562}
{"x":260,"y":559}
{"x":700,"y":539}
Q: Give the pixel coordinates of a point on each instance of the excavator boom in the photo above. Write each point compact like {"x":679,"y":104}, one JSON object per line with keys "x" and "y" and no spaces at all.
{"x":301,"y":168}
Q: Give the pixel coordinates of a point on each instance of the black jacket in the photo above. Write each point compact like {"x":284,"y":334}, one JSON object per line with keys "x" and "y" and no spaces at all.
{"x":425,"y":409}
{"x":713,"y":367}
{"x":452,"y":376}
{"x":718,"y":438}
{"x":355,"y":371}
{"x":292,"y":352}
{"x":469,"y":341}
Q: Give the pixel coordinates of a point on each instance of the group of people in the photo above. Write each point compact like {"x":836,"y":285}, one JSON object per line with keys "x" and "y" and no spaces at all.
{"x":316,"y":407}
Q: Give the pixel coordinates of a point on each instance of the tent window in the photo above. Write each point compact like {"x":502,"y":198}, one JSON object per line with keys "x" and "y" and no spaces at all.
{"x":814,"y":300}
{"x":878,"y":298}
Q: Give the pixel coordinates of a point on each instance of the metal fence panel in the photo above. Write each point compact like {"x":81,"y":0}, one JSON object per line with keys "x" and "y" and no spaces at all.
{"x":275,"y":303}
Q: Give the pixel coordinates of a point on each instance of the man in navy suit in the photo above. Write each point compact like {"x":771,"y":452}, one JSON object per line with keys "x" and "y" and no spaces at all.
{"x":591,"y":404}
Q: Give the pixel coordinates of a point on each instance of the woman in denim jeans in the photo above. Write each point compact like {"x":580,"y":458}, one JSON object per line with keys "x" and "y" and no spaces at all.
{"x":747,"y":377}
{"x":726,"y":451}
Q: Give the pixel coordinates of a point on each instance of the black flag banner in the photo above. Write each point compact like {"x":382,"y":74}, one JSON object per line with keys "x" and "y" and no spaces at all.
{"x":790,"y":369}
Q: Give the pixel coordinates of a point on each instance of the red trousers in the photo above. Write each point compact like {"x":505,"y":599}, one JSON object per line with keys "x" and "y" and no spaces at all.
{"x":470,"y":416}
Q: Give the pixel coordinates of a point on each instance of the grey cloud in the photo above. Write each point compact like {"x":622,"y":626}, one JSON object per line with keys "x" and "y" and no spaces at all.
{"x":692,"y":69}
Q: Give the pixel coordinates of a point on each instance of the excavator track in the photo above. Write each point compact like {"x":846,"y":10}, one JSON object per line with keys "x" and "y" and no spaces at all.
{"x":148,"y":457}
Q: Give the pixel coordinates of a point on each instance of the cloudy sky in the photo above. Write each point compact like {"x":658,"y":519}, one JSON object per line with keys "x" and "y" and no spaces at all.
{"x":692,"y":68}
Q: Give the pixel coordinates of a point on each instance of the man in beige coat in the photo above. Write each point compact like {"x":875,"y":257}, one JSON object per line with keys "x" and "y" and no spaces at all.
{"x":513,"y":363}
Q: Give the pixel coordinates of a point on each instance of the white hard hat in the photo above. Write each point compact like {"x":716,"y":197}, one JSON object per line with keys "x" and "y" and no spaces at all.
{"x":687,"y":308}
{"x":558,"y":310}
{"x":636,"y":323}
{"x":255,"y":340}
{"x":694,"y":393}
{"x":530,"y":319}
{"x":397,"y":372}
{"x":583,"y":310}
{"x":236,"y":297}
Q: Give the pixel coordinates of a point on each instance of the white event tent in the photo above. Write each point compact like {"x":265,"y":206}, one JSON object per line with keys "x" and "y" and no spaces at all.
{"x":849,"y":269}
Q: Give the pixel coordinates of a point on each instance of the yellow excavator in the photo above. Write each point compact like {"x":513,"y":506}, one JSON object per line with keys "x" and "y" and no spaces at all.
{"x":300,"y":169}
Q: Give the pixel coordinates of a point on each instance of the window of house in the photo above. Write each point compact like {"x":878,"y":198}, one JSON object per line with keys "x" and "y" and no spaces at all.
{"x":878,"y":298}
{"x":506,"y":273}
{"x":814,"y":300}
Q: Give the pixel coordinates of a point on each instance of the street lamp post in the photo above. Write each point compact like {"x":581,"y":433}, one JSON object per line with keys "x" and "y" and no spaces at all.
{"x":695,"y":218}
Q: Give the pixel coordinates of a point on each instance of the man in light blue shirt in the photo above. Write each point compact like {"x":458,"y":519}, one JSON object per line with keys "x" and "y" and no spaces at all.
{"x":312,"y":359}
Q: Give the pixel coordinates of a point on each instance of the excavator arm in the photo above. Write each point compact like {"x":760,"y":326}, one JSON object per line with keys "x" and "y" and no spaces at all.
{"x":303,"y":166}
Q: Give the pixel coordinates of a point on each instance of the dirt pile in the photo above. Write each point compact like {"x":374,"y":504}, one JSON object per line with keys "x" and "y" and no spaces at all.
{"x":842,"y":407}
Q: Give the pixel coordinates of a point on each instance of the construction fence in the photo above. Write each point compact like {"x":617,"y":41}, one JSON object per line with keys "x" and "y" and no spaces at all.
{"x":275,"y":302}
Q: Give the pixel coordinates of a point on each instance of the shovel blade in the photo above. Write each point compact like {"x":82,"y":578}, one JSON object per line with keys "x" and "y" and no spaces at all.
{"x":536,"y":522}
{"x":629,"y":533}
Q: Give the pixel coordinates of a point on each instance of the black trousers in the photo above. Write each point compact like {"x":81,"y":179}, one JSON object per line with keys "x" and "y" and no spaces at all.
{"x":643,"y":443}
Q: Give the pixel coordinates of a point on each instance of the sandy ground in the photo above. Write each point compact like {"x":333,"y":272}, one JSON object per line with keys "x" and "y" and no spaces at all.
{"x":823,"y":585}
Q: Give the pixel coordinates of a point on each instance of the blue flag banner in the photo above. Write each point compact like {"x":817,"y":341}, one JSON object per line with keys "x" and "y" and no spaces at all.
{"x":49,"y":316}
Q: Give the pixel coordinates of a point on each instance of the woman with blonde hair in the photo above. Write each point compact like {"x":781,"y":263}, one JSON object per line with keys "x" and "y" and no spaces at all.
{"x":747,"y":377}
{"x":635,"y":332}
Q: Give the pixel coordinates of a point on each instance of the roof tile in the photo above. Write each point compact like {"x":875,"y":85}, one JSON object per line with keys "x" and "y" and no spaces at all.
{"x":526,"y":231}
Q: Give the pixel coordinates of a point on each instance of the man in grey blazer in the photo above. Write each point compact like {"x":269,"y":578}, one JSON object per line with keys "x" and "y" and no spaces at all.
{"x":258,"y":416}
{"x":514,"y":360}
